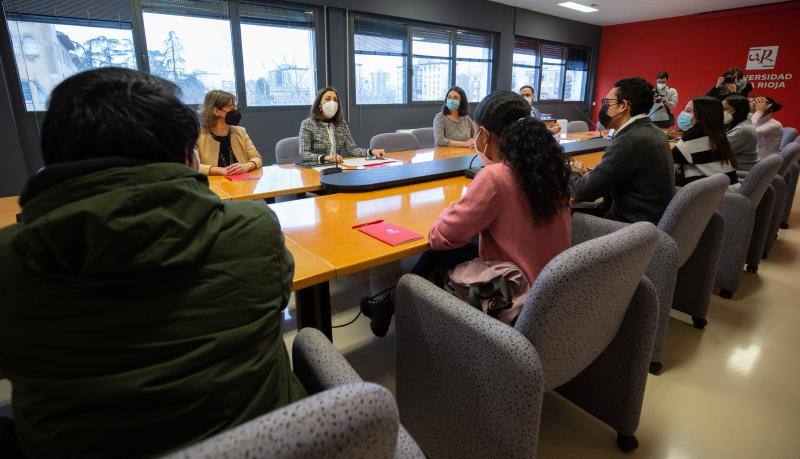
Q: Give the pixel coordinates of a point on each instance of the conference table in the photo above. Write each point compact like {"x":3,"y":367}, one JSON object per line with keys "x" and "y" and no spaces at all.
{"x":319,"y":231}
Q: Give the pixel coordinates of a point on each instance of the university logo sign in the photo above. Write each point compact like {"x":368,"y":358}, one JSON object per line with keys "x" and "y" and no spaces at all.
{"x":762,"y":57}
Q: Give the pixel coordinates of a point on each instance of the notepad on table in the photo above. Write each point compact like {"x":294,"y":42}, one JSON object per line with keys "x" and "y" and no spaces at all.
{"x":388,"y":233}
{"x":242,"y":176}
{"x":359,"y":162}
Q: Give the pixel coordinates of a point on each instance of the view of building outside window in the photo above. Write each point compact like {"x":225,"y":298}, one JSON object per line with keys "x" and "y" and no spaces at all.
{"x":380,"y":65}
{"x":278,"y":75}
{"x":524,"y":71}
{"x":46,"y":54}
{"x":552,"y":70}
{"x":193,"y":52}
{"x":473,"y":75}
{"x":430,"y":64}
{"x":574,"y":85}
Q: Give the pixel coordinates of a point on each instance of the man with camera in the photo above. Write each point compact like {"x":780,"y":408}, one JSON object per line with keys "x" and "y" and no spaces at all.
{"x":665,"y":99}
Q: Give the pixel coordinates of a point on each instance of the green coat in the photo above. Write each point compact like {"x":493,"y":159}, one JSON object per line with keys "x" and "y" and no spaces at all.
{"x":138,"y":312}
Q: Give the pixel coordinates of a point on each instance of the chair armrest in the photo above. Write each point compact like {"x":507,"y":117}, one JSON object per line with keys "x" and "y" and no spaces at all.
{"x":586,"y":227}
{"x":313,"y":427}
{"x":467,"y":385}
{"x":318,"y":364}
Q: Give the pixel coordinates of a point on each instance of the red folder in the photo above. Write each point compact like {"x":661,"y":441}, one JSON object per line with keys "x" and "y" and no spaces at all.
{"x":388,"y":233}
{"x":242,"y":176}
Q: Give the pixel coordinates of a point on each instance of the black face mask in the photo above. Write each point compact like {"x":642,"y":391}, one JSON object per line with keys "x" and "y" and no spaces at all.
{"x":604,"y":118}
{"x":233,"y":117}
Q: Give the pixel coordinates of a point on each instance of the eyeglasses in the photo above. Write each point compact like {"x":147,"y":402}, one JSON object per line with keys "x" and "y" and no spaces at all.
{"x":608,"y":102}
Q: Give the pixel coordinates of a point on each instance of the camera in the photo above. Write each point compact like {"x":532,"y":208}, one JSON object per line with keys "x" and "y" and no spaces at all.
{"x":728,"y":79}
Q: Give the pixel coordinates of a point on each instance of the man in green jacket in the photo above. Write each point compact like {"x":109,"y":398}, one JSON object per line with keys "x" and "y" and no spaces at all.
{"x":138,"y":312}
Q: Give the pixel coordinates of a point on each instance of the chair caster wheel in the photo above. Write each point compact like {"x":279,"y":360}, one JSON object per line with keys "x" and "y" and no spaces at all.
{"x":627,"y":442}
{"x":699,"y":323}
{"x":727,"y":294}
{"x":784,"y":226}
{"x":655,"y":368}
{"x":752,"y":268}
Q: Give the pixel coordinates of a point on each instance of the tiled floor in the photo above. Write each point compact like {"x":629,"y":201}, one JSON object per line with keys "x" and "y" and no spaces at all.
{"x":731,"y":391}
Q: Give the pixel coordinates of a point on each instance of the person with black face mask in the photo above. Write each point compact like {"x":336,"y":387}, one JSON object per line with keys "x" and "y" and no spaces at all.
{"x":635,"y":178}
{"x":223,"y":146}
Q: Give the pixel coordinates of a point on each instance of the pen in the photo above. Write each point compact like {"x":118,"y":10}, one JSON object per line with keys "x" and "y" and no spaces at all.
{"x":367,"y":224}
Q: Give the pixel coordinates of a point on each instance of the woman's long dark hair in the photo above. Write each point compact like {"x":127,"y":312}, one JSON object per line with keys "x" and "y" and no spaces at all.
{"x":708,"y":113}
{"x":530,"y":149}
{"x":741,"y":108}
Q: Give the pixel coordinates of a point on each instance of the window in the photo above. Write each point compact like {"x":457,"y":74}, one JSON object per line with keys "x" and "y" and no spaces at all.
{"x":525,"y":70}
{"x":46,"y":53}
{"x":552,"y":72}
{"x":474,"y":64}
{"x":381,"y":51}
{"x":278,"y":52}
{"x":440,"y":57}
{"x":431,"y":63}
{"x":576,"y":76}
{"x":189,"y":43}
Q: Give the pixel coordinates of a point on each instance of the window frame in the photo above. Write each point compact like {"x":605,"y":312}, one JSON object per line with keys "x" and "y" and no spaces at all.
{"x":410,"y":24}
{"x":540,"y":64}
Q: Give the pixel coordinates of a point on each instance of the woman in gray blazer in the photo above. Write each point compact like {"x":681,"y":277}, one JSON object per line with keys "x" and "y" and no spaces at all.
{"x":740,"y":131}
{"x":325,"y":136}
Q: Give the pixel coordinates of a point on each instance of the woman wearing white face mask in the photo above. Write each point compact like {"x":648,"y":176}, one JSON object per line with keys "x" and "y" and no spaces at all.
{"x":325,"y":136}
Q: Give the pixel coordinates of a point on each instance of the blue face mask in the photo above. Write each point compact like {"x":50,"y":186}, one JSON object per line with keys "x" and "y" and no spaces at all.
{"x":452,"y":104}
{"x":684,"y":121}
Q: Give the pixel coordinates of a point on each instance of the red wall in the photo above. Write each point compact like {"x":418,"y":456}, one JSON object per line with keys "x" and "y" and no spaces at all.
{"x":696,"y":49}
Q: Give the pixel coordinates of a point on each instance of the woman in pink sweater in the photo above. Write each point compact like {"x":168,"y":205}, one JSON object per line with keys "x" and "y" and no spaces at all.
{"x":769,"y":131}
{"x":518,"y":205}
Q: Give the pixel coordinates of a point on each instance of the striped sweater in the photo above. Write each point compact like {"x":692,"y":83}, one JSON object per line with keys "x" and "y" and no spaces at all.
{"x":694,"y":156}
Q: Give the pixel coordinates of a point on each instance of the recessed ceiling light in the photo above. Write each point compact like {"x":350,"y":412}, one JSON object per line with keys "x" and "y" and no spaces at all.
{"x":578,"y":7}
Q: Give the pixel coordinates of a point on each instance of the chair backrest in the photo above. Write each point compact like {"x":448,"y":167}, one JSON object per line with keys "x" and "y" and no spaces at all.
{"x":790,"y":154}
{"x":424,"y":137}
{"x":577,"y":126}
{"x":789,"y":135}
{"x":287,"y":151}
{"x":690,"y":210}
{"x":394,"y":141}
{"x":354,"y":420}
{"x":578,"y":302}
{"x":759,"y":178}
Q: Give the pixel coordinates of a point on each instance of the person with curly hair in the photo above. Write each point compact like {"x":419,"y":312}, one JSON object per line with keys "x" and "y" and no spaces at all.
{"x":517,"y":205}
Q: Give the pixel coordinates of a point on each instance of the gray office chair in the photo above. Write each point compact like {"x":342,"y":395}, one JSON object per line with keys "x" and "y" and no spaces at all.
{"x":781,"y":183}
{"x":424,"y":137}
{"x":685,"y":264}
{"x":287,"y":151}
{"x":789,"y":135}
{"x":739,"y":210}
{"x":471,"y":386}
{"x":577,"y":126}
{"x":791,"y":184}
{"x":394,"y":141}
{"x":353,"y":420}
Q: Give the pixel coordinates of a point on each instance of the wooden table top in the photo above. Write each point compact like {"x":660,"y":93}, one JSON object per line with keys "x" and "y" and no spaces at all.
{"x":309,"y":269}
{"x":9,"y":208}
{"x":288,"y":179}
{"x":323,"y":225}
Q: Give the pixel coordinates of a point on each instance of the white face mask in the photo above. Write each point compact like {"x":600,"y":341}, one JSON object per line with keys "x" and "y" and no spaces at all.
{"x":330,"y":108}
{"x":661,"y":85}
{"x":727,"y":117}
{"x":529,"y":100}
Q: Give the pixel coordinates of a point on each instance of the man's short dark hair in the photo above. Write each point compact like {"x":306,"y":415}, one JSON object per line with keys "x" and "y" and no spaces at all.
{"x":638,"y":92}
{"x":117,"y":112}
{"x":527,"y":86}
{"x":663,"y":75}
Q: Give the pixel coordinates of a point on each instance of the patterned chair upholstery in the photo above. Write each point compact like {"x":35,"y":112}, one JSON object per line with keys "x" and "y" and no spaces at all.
{"x":394,"y":141}
{"x":353,"y":420}
{"x":471,"y":386}
{"x":690,"y":225}
{"x":738,"y":209}
{"x":287,"y":151}
{"x":424,"y":137}
{"x":789,"y":136}
{"x":577,"y":126}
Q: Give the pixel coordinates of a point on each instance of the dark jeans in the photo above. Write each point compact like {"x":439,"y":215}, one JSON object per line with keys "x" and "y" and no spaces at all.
{"x":434,"y":260}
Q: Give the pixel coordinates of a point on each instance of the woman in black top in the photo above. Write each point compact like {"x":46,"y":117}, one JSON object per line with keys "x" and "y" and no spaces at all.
{"x":731,"y":82}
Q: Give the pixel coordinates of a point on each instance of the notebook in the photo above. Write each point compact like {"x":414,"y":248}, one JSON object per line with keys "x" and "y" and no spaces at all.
{"x":242,"y":176}
{"x":389,"y":233}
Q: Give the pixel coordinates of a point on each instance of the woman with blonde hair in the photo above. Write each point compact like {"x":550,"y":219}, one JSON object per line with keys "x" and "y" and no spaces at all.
{"x":223,"y":146}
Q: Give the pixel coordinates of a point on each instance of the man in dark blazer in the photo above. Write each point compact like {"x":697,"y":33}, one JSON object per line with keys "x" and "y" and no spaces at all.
{"x":636,"y":177}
